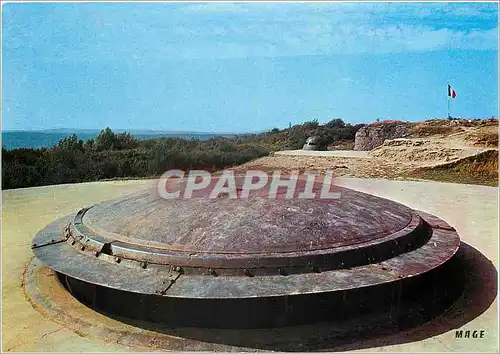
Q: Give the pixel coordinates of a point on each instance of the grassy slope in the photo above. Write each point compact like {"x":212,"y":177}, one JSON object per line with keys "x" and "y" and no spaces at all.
{"x":478,"y":169}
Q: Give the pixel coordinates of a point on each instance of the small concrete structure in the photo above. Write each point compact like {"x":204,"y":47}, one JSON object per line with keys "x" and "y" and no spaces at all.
{"x":311,"y":144}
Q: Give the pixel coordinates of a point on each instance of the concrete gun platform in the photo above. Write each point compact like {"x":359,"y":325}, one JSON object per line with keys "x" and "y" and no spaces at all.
{"x":472,"y":210}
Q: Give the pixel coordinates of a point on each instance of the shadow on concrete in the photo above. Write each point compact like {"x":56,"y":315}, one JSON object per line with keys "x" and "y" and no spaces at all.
{"x":460,"y":291}
{"x":479,"y":291}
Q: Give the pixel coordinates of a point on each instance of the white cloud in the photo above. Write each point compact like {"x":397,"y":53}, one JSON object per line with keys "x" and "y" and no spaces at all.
{"x":215,"y":7}
{"x":328,"y":28}
{"x":235,"y":30}
{"x":344,"y":39}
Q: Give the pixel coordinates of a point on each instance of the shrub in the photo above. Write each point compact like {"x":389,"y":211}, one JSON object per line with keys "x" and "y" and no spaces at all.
{"x":112,"y":155}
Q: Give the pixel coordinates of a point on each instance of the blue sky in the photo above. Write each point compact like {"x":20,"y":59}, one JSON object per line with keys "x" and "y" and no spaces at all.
{"x":237,"y":67}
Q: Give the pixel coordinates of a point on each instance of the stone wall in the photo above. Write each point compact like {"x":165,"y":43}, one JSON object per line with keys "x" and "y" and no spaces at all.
{"x":374,"y":134}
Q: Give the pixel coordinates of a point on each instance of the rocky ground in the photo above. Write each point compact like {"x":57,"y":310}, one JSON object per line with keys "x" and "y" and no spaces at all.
{"x":428,"y":146}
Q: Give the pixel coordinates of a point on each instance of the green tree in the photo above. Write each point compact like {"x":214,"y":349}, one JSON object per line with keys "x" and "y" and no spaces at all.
{"x":105,"y":140}
{"x":335,"y":123}
{"x":70,"y":144}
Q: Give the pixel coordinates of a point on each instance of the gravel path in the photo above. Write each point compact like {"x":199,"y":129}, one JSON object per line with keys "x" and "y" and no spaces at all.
{"x":331,"y":153}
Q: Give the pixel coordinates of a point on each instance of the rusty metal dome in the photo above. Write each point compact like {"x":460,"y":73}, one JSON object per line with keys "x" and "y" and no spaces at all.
{"x":254,"y":262}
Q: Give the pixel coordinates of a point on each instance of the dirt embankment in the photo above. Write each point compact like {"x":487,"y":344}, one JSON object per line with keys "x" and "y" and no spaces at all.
{"x":461,"y":151}
{"x":477,"y":169}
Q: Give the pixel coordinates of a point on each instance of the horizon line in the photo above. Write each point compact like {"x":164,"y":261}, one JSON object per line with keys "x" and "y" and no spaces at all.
{"x":233,"y":132}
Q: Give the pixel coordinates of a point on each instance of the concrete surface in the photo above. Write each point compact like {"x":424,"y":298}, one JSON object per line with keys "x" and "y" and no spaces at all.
{"x":472,"y":210}
{"x":331,"y":153}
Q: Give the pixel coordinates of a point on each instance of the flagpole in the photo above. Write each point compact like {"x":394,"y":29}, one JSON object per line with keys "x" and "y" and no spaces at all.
{"x":448,"y":94}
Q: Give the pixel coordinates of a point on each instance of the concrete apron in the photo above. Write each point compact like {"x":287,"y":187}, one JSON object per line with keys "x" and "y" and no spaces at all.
{"x":472,"y":210}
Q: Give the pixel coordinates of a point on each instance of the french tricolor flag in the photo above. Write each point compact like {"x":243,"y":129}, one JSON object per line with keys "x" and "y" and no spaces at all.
{"x":451,"y":92}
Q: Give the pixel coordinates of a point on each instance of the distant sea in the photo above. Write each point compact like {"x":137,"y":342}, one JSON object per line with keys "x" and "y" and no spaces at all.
{"x":38,"y":139}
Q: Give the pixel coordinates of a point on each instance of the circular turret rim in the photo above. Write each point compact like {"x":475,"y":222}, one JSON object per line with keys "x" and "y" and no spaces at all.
{"x":50,"y":247}
{"x":416,"y":233}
